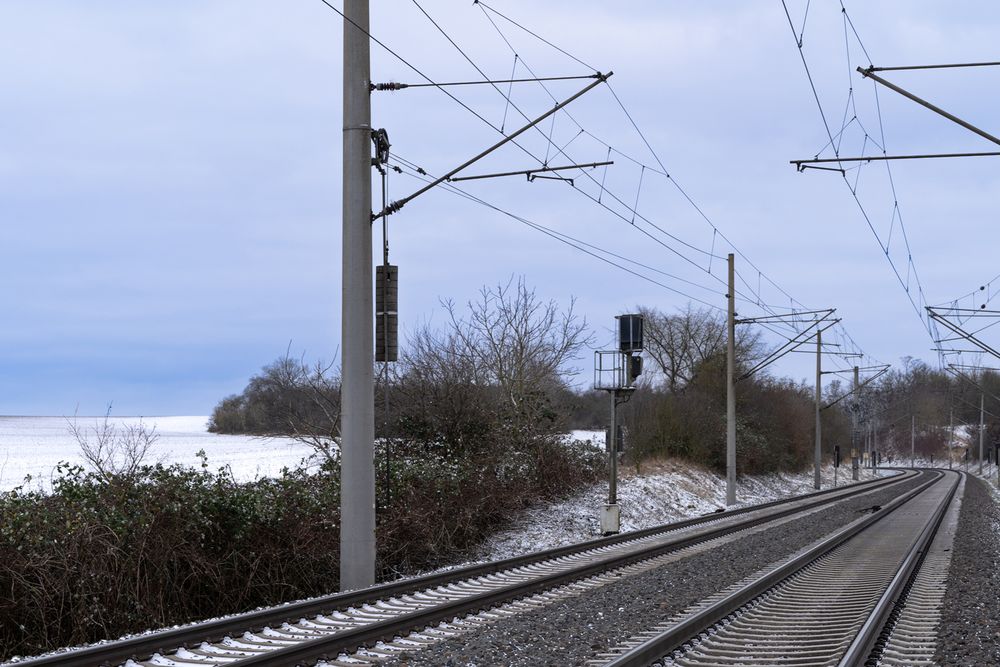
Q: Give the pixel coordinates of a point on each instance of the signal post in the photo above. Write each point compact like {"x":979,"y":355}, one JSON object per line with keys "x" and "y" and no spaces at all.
{"x":615,"y":371}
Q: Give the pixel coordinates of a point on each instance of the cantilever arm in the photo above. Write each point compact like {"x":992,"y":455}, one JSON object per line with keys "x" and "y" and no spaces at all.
{"x":885,"y":369}
{"x":937,"y":317}
{"x":869,"y":72}
{"x":396,"y":205}
{"x":792,"y":344}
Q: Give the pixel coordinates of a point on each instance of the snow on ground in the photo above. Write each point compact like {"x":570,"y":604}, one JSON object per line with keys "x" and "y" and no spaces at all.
{"x":35,"y":445}
{"x":668,"y":491}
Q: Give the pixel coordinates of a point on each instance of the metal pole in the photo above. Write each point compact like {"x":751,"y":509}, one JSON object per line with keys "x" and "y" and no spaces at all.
{"x":357,"y":434}
{"x":874,"y":452}
{"x":855,"y":434}
{"x":951,"y":435}
{"x":387,"y":443}
{"x":819,"y":398}
{"x":731,"y":387}
{"x":613,"y":452}
{"x":913,"y":440}
{"x":982,"y":428}
{"x":871,"y":442}
{"x":864,"y":448}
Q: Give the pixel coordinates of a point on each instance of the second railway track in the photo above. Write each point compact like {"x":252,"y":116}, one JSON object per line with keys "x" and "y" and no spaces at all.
{"x":855,"y":598}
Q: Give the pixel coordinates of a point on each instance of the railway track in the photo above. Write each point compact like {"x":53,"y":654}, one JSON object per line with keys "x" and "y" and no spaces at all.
{"x":332,"y":627}
{"x":868,"y":594}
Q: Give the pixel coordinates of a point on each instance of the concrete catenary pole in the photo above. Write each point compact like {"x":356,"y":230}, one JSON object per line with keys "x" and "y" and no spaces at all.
{"x":855,"y":433}
{"x":819,"y":397}
{"x":731,"y":387}
{"x":913,"y":440}
{"x":982,"y":428}
{"x":357,"y":430}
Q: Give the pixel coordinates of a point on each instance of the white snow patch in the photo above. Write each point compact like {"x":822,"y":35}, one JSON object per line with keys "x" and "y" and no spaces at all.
{"x":670,"y":491}
{"x":595,"y":438}
{"x":34,"y":446}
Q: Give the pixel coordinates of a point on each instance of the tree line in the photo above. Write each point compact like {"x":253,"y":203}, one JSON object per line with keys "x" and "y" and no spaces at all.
{"x":502,"y":370}
{"x":505,"y":365}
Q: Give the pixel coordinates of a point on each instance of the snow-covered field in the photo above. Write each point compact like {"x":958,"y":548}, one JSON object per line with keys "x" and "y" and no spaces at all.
{"x":668,"y":491}
{"x":35,"y":445}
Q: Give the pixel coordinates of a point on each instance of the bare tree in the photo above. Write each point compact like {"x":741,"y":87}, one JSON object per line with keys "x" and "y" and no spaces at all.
{"x":493,"y":375}
{"x":319,"y":426}
{"x":289,"y":397}
{"x":680,"y":345}
{"x":518,"y":341}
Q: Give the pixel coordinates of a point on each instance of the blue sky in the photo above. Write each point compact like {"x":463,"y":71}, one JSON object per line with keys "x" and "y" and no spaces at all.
{"x":170,"y":173}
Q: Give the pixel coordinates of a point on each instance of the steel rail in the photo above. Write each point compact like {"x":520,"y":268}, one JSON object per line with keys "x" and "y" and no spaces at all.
{"x":662,"y":644}
{"x":144,"y":646}
{"x":330,"y":647}
{"x":860,"y":650}
{"x":908,"y":638}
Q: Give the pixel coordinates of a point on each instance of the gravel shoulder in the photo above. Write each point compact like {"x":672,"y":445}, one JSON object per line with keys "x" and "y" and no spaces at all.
{"x":968,"y":634}
{"x":575,"y":629}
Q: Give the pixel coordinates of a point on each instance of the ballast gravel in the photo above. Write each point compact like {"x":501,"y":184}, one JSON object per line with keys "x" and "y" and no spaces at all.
{"x":576,"y":629}
{"x":969,"y":634}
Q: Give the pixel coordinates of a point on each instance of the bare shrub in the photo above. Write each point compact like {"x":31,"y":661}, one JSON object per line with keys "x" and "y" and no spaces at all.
{"x":114,"y":450}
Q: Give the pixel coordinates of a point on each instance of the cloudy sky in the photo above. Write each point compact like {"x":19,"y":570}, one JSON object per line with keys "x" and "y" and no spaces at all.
{"x":170,"y":174}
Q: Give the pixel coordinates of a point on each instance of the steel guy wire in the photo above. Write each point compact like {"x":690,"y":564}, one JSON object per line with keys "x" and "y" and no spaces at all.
{"x":484,"y":120}
{"x":575,"y":243}
{"x":423,"y":175}
{"x":853,"y":189}
{"x":663,"y":171}
{"x":568,"y":113}
{"x":550,"y":143}
{"x":758,"y":301}
{"x":988,"y":284}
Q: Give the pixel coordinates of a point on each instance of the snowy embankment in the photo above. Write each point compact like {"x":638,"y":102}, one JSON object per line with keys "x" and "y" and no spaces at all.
{"x":665,"y":491}
{"x":34,"y":446}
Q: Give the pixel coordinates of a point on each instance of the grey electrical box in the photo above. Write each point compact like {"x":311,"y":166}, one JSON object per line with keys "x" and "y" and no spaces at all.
{"x":629,"y":333}
{"x":386,"y":314}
